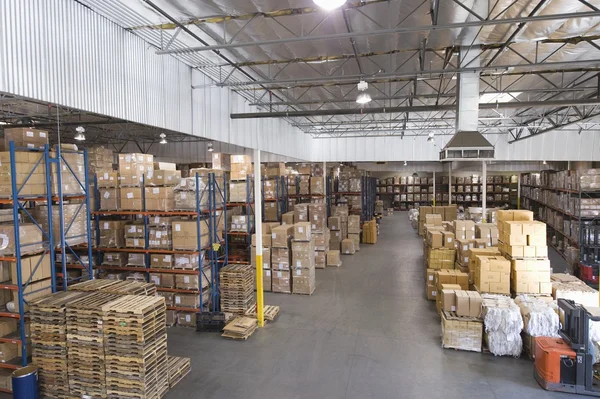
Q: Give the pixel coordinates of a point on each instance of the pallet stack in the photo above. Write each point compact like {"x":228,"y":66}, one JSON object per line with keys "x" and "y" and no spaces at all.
{"x":85,"y":344}
{"x":237,"y":289}
{"x":49,"y":342}
{"x":135,"y":337}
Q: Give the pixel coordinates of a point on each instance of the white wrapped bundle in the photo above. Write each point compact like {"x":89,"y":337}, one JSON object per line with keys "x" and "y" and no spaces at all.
{"x":502,"y":344}
{"x":413,"y":214}
{"x":539,"y":316}
{"x":503,"y":325}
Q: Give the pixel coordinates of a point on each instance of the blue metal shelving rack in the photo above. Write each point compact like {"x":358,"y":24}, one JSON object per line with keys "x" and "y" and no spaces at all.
{"x":207,"y":220}
{"x":280,"y":199}
{"x":19,"y":203}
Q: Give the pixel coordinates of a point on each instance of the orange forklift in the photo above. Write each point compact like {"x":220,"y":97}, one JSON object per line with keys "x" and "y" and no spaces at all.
{"x":566,"y":364}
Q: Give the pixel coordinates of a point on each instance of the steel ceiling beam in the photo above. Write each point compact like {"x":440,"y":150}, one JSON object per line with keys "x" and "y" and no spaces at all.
{"x":548,"y":67}
{"x":397,"y":30}
{"x":424,"y":108}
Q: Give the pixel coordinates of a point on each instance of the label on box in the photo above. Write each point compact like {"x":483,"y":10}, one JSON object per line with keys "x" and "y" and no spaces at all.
{"x":434,"y":293}
{"x":177,"y":300}
{"x":430,"y":278}
{"x":136,"y":242}
{"x":279,"y":274}
{"x":273,"y":235}
{"x":155,"y":190}
{"x":449,"y":239}
{"x":29,"y":134}
{"x":298,"y":272}
{"x":314,"y":226}
{"x":158,"y":234}
{"x":106,"y":176}
{"x":132,"y":229}
{"x":167,"y":258}
{"x":186,"y":279}
{"x":316,"y":217}
{"x":105,"y":225}
{"x":298,"y":263}
{"x":177,"y":227}
{"x":265,"y":265}
{"x":156,"y":280}
{"x":300,"y":229}
{"x":188,"y":318}
{"x":267,"y":273}
{"x":129,"y":195}
{"x":29,"y":145}
{"x":183,"y":195}
{"x":43,"y":135}
{"x":453,"y":308}
{"x":281,"y":266}
{"x":106,"y":195}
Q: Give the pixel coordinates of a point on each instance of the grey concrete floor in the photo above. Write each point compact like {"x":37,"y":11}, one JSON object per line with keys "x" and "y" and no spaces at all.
{"x":367,"y":332}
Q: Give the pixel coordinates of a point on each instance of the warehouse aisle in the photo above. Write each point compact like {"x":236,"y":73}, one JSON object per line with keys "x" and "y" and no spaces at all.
{"x":366,"y":332}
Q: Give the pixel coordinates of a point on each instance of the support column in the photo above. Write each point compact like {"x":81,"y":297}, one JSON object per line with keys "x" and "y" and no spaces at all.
{"x":434,"y":188}
{"x":260,"y":305}
{"x":450,"y":183}
{"x":484,"y":190}
{"x":325,"y":181}
{"x":519,"y":192}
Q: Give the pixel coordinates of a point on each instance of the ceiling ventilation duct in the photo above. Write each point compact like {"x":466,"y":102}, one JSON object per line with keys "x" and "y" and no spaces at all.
{"x":467,"y":146}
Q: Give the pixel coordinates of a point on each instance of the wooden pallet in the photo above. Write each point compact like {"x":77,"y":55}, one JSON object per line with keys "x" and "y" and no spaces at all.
{"x":270,"y":312}
{"x":338,"y":265}
{"x":240,"y":328}
{"x":179,"y":367}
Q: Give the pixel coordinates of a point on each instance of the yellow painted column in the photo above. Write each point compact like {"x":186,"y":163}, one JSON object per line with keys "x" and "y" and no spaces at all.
{"x":260,"y":301}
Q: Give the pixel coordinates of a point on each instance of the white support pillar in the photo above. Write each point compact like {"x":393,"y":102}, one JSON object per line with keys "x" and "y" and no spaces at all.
{"x":260,"y":305}
{"x":450,"y":183}
{"x":325,"y":181}
{"x":484,"y":190}
{"x":519,"y":192}
{"x":434,"y":188}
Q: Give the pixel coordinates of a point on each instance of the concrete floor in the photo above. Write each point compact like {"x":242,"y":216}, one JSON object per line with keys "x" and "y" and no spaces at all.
{"x":367,"y":332}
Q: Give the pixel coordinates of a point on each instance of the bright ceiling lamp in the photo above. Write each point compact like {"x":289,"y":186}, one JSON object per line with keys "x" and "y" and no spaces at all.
{"x":363,"y":97}
{"x":163,"y":138}
{"x":329,"y":4}
{"x":80,"y":136}
{"x":210,"y":147}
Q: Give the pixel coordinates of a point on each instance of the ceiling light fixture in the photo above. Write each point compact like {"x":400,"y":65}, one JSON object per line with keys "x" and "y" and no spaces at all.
{"x":431,"y":138}
{"x":80,"y":136}
{"x":363,"y":97}
{"x":329,"y":4}
{"x":163,"y":138}
{"x":404,"y":163}
{"x":544,"y":162}
{"x":210,"y":147}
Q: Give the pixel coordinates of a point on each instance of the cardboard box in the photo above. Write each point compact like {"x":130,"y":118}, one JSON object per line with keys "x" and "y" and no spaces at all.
{"x":431,"y":291}
{"x":186,"y":282}
{"x":300,"y":213}
{"x":187,"y":261}
{"x":333,"y":258}
{"x":320,"y":259}
{"x":303,"y":254}
{"x":356,"y":239}
{"x":321,"y":239}
{"x":281,"y":281}
{"x":267,"y":280}
{"x":185,"y":235}
{"x":280,"y":258}
{"x":266,"y":239}
{"x":462,"y":303}
{"x":348,"y":247}
{"x":334,"y":223}
{"x":448,"y":239}
{"x":161,"y":261}
{"x":302,"y":231}
{"x":30,"y":238}
{"x":435,"y":239}
{"x":287,"y":218}
{"x":8,"y":352}
{"x":281,"y":236}
{"x":303,"y":281}
{"x":187,"y":319}
{"x":448,"y":300}
{"x":107,"y":178}
{"x":164,"y":178}
{"x":266,"y":258}
{"x":186,"y":300}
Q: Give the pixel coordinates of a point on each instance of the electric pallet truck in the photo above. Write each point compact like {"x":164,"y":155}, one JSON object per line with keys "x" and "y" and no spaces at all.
{"x":566,"y":364}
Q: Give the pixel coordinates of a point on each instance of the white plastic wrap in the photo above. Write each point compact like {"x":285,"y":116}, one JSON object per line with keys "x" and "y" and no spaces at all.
{"x":539,"y":316}
{"x":503,"y":325}
{"x":413,"y":214}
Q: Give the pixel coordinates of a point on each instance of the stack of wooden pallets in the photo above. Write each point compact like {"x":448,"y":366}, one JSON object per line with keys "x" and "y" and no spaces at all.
{"x":135,"y":337}
{"x":85,"y":344}
{"x":179,"y":367}
{"x":117,"y":287}
{"x":49,"y":342}
{"x":237,"y":289}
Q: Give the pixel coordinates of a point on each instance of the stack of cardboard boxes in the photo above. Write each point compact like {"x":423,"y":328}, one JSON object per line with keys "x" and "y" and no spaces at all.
{"x":303,"y":184}
{"x":241,"y":167}
{"x":108,"y":189}
{"x":280,"y":258}
{"x":492,"y":275}
{"x":335,"y":225}
{"x":369,"y":234}
{"x":30,"y":176}
{"x":354,"y":230}
{"x":317,"y":186}
{"x":303,"y":259}
{"x":317,"y":213}
{"x":25,"y":137}
{"x":447,"y":213}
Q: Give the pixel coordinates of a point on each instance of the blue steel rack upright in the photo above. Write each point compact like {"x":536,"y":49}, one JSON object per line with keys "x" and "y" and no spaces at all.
{"x":249,"y":212}
{"x":65,"y":247}
{"x":219,"y":248}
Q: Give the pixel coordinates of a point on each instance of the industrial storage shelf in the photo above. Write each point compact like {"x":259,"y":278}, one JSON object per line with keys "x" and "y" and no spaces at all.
{"x":11,"y":338}
{"x":306,"y":195}
{"x":178,"y":290}
{"x":9,"y":201}
{"x":9,"y":286}
{"x":10,"y":314}
{"x":558,"y":209}
{"x":152,"y":251}
{"x":14,"y":364}
{"x":238,"y":233}
{"x":147,"y":269}
{"x":146,"y":213}
{"x":564,"y":190}
{"x":5,"y":390}
{"x":347,"y":193}
{"x":179,"y":309}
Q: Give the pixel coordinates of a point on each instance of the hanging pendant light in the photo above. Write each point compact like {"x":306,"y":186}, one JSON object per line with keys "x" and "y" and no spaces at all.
{"x":80,"y":136}
{"x":163,"y":138}
{"x":363,"y":96}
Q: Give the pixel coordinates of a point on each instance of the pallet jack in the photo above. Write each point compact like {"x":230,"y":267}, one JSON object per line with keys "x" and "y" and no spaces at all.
{"x":566,"y":364}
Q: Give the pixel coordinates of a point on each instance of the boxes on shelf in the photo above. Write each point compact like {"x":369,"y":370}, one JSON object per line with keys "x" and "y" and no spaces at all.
{"x":115,"y":258}
{"x":109,"y":199}
{"x":287,"y":218}
{"x":25,"y":137}
{"x":107,"y":178}
{"x":131,"y":198}
{"x":241,"y":167}
{"x":271,"y":211}
{"x":302,"y":231}
{"x":33,"y":268}
{"x":186,"y":300}
{"x":300,"y":213}
{"x":133,"y":168}
{"x":161,"y":261}
{"x":273,"y":169}
{"x":242,"y":223}
{"x":112,"y":233}
{"x":160,"y":237}
{"x":30,"y":178}
{"x":188,"y":261}
{"x":221,"y":161}
{"x":164,"y":178}
{"x":185,"y":235}
{"x":30,"y":239}
{"x":75,"y":222}
{"x":317,"y":186}
{"x":159,"y":198}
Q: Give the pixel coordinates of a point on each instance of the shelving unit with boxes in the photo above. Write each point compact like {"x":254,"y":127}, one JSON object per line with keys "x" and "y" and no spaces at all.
{"x":241,"y":205}
{"x":569,"y":203}
{"x":153,"y":225}
{"x":34,"y":178}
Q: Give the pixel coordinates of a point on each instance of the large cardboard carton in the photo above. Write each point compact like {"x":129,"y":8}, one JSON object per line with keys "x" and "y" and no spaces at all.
{"x":30,"y":239}
{"x":281,"y":236}
{"x":280,"y":258}
{"x":302,"y":231}
{"x":303,"y":255}
{"x":287,"y":218}
{"x":303,"y":281}
{"x":462,"y":335}
{"x":185,"y":235}
{"x":33,"y":268}
{"x":281,"y":281}
{"x":333,"y":258}
{"x":348,"y":247}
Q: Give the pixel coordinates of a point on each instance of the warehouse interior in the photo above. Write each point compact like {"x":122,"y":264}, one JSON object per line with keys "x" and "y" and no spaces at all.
{"x":299,"y":198}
